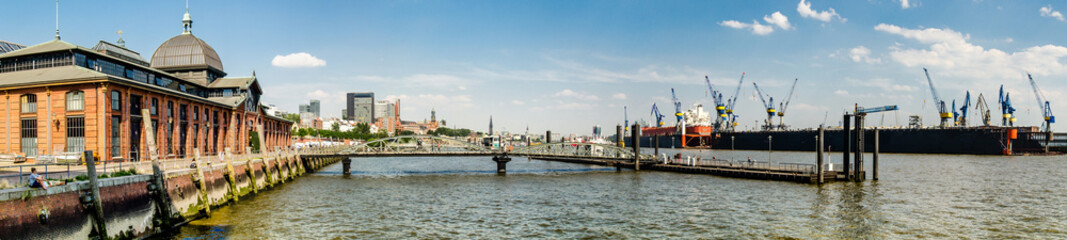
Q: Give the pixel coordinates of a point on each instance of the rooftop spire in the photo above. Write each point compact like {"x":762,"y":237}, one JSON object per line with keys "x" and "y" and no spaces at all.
{"x":122,"y":43}
{"x":187,"y":22}
{"x":57,"y":19}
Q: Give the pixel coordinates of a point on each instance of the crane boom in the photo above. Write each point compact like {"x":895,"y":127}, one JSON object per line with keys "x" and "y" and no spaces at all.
{"x":1043,"y":104}
{"x":944,"y":112}
{"x":659,"y":116}
{"x":720,"y":106}
{"x":768,"y":104}
{"x":963,"y":109}
{"x":677,"y":106}
{"x":862,"y":110}
{"x":781,"y":111}
{"x":983,"y":109}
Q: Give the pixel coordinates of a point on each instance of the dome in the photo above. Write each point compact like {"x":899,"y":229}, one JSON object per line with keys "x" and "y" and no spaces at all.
{"x":186,"y":52}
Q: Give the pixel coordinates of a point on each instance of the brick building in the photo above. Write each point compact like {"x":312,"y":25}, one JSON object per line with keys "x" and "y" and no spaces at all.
{"x":60,"y":97}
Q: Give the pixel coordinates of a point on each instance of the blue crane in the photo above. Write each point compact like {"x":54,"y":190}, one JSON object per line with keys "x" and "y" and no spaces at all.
{"x":657,"y":115}
{"x":963,"y":110}
{"x":784,"y":105}
{"x":1006,"y":110}
{"x":768,"y":104}
{"x":677,"y":107}
{"x":625,"y":120}
{"x":941,"y":108}
{"x":720,"y":106}
{"x":1042,"y":102}
{"x":733,"y":100}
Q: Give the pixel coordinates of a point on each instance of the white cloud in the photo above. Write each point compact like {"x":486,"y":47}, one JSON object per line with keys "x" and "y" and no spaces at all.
{"x":779,"y":20}
{"x":578,"y":95}
{"x":517,"y":102}
{"x":433,"y":100}
{"x":804,"y":8}
{"x":862,"y":54}
{"x":619,"y":96}
{"x":905,"y":4}
{"x":841,"y":92}
{"x":1048,"y":12}
{"x":755,"y":27}
{"x":951,"y":54}
{"x":297,"y":60}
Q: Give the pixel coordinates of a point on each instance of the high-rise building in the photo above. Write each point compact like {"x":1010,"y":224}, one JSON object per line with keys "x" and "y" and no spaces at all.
{"x":360,"y":106}
{"x":383,"y":109}
{"x":312,"y":107}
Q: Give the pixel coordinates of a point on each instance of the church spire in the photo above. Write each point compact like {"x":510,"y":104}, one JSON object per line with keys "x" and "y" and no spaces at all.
{"x":187,"y":22}
{"x":490,"y":125}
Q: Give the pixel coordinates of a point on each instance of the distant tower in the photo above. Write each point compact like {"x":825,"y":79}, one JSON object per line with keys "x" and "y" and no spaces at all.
{"x":433,"y":115}
{"x":490,"y":125}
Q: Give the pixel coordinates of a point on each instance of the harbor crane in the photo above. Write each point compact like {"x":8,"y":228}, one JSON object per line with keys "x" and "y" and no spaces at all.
{"x":680,"y":125}
{"x":768,"y":104}
{"x":657,"y":115}
{"x":983,"y":109}
{"x":941,"y":108}
{"x":784,"y":105}
{"x":720,"y":106}
{"x":864,"y":111}
{"x":730,"y":104}
{"x":1006,"y":110}
{"x":1042,"y":103}
{"x":963,"y":110}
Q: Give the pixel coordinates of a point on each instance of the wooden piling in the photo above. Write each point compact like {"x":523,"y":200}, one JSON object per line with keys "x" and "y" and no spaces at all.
{"x":97,"y":210}
{"x":874,"y":163}
{"x":819,"y":160}
{"x":858,"y":149}
{"x":548,"y":136}
{"x":846,"y":142}
{"x":206,"y":201}
{"x":636,"y":137}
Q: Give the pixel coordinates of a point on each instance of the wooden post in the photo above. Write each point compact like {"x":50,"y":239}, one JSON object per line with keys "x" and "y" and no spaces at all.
{"x":655,"y":143}
{"x":636,"y":142}
{"x":98,"y":209}
{"x":874,"y":164}
{"x":158,"y":188}
{"x":231,"y":175}
{"x":858,"y":149}
{"x":820,"y":141}
{"x":203,"y":182}
{"x":846,"y":143}
{"x":548,"y":136}
{"x":620,"y":136}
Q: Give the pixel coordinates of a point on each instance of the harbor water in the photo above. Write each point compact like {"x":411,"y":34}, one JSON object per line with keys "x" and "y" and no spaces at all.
{"x":917,"y":196}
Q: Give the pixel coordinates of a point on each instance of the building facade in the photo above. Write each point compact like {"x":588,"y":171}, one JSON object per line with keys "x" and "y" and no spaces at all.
{"x":312,"y":107}
{"x":61,"y":98}
{"x":360,"y":107}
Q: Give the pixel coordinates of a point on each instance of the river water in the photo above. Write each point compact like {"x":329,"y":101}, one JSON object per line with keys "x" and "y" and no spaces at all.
{"x":917,"y":196}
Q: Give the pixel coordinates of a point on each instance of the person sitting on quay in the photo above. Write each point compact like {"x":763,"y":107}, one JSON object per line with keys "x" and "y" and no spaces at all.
{"x":37,"y":181}
{"x":193,"y":165}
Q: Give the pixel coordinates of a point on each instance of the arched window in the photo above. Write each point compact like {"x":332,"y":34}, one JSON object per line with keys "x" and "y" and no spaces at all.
{"x":29,"y":103}
{"x":75,"y":101}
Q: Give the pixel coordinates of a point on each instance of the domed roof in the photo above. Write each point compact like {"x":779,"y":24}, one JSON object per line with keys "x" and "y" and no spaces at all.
{"x":185,"y":51}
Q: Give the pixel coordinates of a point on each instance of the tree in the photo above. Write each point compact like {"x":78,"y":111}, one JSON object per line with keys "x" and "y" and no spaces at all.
{"x":336,"y":126}
{"x":292,"y":117}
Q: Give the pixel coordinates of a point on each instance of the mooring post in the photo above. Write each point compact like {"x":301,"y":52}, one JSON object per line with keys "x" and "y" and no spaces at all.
{"x":846,"y":142}
{"x":859,"y":148}
{"x":157,"y":189}
{"x":346,"y":166}
{"x":820,"y":141}
{"x":636,"y":142}
{"x":94,"y":194}
{"x":231,"y":175}
{"x":502,"y":163}
{"x":874,"y":163}
{"x":620,"y":136}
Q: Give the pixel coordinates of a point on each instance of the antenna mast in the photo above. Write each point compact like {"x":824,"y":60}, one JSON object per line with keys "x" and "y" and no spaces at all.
{"x":57,"y":19}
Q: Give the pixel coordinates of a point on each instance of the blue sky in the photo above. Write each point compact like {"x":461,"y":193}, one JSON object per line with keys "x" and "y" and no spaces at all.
{"x":569,"y":65}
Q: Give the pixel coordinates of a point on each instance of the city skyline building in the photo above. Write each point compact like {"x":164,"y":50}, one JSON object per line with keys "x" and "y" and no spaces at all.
{"x":313,"y":107}
{"x":360,"y":106}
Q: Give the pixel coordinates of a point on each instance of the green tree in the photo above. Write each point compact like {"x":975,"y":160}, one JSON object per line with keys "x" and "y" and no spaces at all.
{"x":336,"y":126}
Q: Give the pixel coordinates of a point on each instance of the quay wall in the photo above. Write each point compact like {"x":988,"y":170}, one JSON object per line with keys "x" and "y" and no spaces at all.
{"x":132,"y":211}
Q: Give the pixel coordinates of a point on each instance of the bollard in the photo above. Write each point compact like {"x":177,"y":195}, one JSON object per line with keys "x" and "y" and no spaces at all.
{"x":620,"y":136}
{"x":548,"y":136}
{"x":819,"y":159}
{"x":636,"y":141}
{"x":655,"y":144}
{"x":97,"y":210}
{"x":846,"y":131}
{"x":874,"y":160}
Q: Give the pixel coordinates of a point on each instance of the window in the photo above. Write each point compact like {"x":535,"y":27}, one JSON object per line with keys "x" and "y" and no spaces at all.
{"x":116,"y":101}
{"x":116,"y":139}
{"x":227,"y":92}
{"x":75,"y":133}
{"x":136,"y":105}
{"x":29,"y":136}
{"x":29,"y":103}
{"x":155,"y":106}
{"x":75,"y":101}
{"x":196,"y":116}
